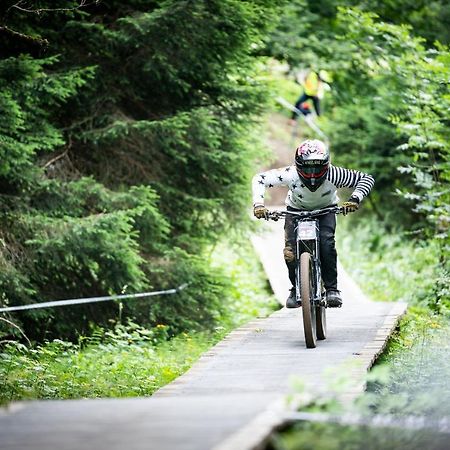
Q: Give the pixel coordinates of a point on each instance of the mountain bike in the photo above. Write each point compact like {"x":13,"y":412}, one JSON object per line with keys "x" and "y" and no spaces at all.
{"x":309,"y":290}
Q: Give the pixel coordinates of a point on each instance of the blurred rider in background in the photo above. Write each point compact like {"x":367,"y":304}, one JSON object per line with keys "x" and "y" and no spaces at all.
{"x":314,"y":85}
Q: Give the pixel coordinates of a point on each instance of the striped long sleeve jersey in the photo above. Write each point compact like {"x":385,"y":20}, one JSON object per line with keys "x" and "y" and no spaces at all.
{"x":300,"y":197}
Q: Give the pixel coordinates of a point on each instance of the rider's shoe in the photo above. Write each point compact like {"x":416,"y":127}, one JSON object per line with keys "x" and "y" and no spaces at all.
{"x":291,"y":301}
{"x":334,"y":299}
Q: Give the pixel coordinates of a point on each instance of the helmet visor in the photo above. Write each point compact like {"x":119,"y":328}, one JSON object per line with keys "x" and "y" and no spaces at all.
{"x":312,"y":169}
{"x":313,"y":172}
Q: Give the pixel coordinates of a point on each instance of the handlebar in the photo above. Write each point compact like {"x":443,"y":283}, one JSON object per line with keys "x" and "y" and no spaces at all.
{"x":275,"y":215}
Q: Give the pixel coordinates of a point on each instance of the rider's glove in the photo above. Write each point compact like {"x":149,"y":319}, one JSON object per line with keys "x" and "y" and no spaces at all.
{"x":350,"y":206}
{"x":260,"y":211}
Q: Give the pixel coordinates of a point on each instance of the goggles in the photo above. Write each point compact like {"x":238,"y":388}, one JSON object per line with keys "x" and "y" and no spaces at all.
{"x":315,"y":172}
{"x":312,"y":171}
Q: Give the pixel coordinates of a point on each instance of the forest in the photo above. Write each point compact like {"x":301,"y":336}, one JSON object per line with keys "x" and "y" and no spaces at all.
{"x":130,"y":132}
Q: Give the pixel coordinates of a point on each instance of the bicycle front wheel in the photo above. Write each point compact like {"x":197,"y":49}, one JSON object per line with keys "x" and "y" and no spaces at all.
{"x":307,"y":296}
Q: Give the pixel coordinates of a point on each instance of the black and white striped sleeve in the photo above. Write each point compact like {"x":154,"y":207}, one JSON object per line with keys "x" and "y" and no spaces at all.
{"x":362,"y":182}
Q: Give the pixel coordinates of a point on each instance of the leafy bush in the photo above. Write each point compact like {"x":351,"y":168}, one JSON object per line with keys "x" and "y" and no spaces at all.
{"x":380,"y":261}
{"x":128,"y":361}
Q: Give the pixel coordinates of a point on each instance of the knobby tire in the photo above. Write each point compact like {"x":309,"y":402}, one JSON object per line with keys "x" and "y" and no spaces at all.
{"x":307,"y":294}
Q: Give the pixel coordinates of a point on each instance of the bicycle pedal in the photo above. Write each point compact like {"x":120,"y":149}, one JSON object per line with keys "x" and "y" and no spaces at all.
{"x":334,"y":306}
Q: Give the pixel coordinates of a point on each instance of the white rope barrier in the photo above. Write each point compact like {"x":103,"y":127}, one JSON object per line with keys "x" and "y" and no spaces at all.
{"x":80,"y":301}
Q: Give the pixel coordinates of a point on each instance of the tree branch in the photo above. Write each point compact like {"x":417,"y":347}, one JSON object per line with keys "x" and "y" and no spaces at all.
{"x":41,"y":10}
{"x":56,"y":158}
{"x":16,"y":326}
{"x":26,"y":37}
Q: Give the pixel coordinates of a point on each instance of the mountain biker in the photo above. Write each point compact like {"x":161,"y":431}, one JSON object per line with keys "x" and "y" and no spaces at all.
{"x":312,"y":183}
{"x":313,"y":89}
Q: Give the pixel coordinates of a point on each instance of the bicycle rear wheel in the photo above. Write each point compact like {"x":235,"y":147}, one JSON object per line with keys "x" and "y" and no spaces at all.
{"x":307,"y":296}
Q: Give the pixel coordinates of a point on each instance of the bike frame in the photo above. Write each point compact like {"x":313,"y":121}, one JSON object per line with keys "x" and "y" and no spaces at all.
{"x":308,"y":270}
{"x":308,"y":239}
{"x":304,"y":243}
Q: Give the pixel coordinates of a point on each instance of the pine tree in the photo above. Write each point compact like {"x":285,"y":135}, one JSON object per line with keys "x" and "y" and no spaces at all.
{"x":127,"y":150}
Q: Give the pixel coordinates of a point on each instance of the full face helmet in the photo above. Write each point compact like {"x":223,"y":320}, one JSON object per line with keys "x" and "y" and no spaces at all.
{"x":312,"y":160}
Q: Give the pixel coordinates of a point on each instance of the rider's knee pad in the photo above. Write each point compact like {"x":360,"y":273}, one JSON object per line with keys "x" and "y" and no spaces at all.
{"x":289,"y":254}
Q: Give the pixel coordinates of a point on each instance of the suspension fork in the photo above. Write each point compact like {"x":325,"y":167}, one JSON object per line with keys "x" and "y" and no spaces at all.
{"x":313,"y":247}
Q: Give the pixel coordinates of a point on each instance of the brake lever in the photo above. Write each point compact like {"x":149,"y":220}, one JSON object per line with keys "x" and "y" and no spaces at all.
{"x":273,"y":215}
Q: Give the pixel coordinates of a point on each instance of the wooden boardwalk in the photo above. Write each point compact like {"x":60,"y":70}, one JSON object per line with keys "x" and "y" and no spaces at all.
{"x":232,"y":396}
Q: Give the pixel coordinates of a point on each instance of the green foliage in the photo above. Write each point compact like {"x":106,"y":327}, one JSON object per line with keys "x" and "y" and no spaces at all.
{"x":429,"y":19}
{"x":333,"y":436}
{"x":74,"y":240}
{"x":411,"y":377}
{"x":390,"y":98}
{"x":406,"y":73}
{"x":127,"y":361}
{"x":249,"y":285}
{"x":127,"y":146}
{"x":363,"y":139}
{"x":29,"y":95}
{"x":400,"y":69}
{"x":381,"y":262}
{"x":226,"y":287}
{"x":130,"y":360}
{"x":201,"y":305}
{"x":309,"y":30}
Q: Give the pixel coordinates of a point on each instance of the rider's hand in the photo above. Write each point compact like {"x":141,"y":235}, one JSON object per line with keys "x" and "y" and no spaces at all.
{"x":350,"y":206}
{"x":260,"y":211}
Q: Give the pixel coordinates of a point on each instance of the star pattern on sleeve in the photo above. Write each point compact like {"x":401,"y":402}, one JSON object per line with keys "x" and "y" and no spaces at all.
{"x":280,"y":177}
{"x":294,"y":186}
{"x":261,"y":182}
{"x":287,"y":169}
{"x":270,"y":185}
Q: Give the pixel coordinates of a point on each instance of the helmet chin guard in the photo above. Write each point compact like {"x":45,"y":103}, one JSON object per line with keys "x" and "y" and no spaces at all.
{"x":312,"y":160}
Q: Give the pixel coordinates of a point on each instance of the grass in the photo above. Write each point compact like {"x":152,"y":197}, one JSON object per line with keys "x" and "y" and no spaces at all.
{"x":380,"y":263}
{"x":326,"y":436}
{"x":123,"y":362}
{"x":411,"y":377}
